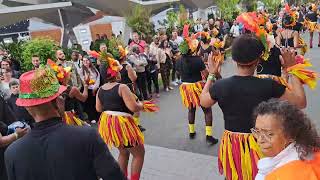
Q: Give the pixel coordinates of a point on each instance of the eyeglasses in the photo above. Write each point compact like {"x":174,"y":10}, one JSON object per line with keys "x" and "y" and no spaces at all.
{"x":267,"y":135}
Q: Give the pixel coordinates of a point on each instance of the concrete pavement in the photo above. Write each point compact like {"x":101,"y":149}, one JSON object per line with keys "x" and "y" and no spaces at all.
{"x":170,"y":164}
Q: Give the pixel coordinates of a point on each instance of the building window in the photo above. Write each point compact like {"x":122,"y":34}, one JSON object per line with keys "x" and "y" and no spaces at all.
{"x":83,"y":30}
{"x":85,"y":42}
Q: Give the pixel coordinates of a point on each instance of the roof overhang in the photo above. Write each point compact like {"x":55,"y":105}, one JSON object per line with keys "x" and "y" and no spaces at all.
{"x":12,"y":15}
{"x":202,"y":4}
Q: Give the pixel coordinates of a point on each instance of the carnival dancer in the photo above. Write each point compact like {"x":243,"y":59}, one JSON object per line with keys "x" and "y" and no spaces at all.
{"x":237,"y":97}
{"x":71,"y":96}
{"x":311,"y":22}
{"x":116,"y":125}
{"x":53,"y":150}
{"x":191,"y":68}
{"x":128,"y":77}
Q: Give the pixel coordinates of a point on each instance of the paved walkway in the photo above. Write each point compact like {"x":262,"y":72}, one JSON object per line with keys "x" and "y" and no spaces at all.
{"x":170,"y":164}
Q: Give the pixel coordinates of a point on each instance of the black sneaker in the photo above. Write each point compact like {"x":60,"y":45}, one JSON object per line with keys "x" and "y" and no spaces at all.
{"x":211,"y":140}
{"x":141,"y":128}
{"x":192,"y":135}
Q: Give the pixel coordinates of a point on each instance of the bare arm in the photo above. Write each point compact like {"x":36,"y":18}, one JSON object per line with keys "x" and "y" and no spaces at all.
{"x":278,"y":40}
{"x":129,"y":99}
{"x":296,"y":95}
{"x":131,"y":73}
{"x":6,"y":140}
{"x":99,"y":107}
{"x":296,"y":39}
{"x":75,"y":92}
{"x":213,"y":68}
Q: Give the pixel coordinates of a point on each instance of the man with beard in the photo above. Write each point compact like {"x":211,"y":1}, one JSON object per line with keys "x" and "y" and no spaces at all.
{"x":35,"y":61}
{"x":74,"y":76}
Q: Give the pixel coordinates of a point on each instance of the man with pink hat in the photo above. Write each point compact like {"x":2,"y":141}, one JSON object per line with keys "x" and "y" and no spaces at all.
{"x":53,"y":150}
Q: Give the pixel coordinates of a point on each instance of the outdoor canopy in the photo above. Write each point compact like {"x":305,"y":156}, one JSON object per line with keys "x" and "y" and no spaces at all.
{"x":110,"y":7}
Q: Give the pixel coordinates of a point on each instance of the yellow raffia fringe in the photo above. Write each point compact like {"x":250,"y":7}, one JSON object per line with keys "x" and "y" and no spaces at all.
{"x":71,"y":119}
{"x":190,"y":94}
{"x":247,"y":143}
{"x":119,"y":131}
{"x":278,"y":79}
{"x":304,"y":46}
{"x":308,"y":77}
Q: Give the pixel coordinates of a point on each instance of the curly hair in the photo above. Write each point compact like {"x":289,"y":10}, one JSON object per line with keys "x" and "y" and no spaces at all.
{"x":296,"y":124}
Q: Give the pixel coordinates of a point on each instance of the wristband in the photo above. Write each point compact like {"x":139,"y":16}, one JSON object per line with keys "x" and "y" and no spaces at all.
{"x":16,"y":135}
{"x":211,"y":77}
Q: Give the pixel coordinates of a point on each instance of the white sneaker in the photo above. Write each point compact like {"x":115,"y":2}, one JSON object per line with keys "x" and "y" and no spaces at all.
{"x":174,"y":83}
{"x":93,"y":121}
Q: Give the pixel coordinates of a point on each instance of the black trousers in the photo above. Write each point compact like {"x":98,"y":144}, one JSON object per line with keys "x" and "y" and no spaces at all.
{"x":174,"y":72}
{"x":153,"y":78}
{"x":90,"y":106}
{"x":142,"y":85}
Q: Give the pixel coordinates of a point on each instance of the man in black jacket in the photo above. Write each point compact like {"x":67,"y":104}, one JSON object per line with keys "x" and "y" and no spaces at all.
{"x":53,"y":150}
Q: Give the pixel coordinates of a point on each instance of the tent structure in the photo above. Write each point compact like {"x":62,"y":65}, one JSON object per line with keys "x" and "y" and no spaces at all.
{"x":111,"y":7}
{"x":51,"y":13}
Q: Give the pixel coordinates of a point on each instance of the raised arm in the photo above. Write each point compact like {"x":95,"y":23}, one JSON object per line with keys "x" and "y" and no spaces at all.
{"x":296,"y":95}
{"x":214,"y":73}
{"x":129,"y":99}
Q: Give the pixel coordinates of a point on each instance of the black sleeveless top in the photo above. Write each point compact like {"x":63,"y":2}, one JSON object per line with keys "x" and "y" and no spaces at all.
{"x":125,"y":77}
{"x":70,"y":103}
{"x":287,"y":42}
{"x":112,"y":101}
{"x":203,"y":51}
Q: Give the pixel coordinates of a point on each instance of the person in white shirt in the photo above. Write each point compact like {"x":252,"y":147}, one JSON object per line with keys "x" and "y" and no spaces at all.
{"x":176,"y":38}
{"x":91,"y":75}
{"x":235,"y":30}
{"x":198,"y":27}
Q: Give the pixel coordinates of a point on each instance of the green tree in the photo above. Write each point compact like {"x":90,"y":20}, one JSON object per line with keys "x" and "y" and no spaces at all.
{"x":250,"y":5}
{"x":271,"y":5}
{"x":43,"y":47}
{"x":15,"y":49}
{"x":139,"y":20}
{"x":228,"y":8}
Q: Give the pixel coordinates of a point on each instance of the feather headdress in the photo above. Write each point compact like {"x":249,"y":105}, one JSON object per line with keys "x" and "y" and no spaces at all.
{"x":252,"y":22}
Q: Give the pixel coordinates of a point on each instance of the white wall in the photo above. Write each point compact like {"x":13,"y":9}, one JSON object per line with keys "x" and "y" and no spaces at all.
{"x":83,"y":35}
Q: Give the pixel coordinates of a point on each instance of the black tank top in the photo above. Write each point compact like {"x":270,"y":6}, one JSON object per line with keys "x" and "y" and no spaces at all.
{"x":203,"y":51}
{"x":287,"y":42}
{"x":125,"y":77}
{"x":112,"y":101}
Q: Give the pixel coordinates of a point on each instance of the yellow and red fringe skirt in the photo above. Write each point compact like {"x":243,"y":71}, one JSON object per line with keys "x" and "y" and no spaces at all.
{"x":119,"y":129}
{"x":71,"y":118}
{"x":238,"y":156}
{"x":190,"y":94}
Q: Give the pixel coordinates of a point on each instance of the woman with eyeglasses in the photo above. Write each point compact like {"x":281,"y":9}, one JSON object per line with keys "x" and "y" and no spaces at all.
{"x":289,"y":141}
{"x":238,"y":96}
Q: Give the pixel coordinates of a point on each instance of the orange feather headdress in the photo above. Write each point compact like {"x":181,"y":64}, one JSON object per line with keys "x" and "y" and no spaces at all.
{"x":252,"y":22}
